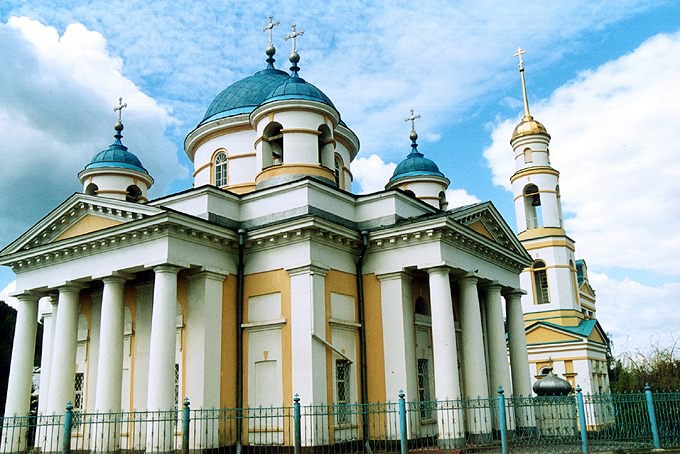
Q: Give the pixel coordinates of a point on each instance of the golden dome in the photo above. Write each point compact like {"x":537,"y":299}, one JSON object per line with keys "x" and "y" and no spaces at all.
{"x":528,"y":126}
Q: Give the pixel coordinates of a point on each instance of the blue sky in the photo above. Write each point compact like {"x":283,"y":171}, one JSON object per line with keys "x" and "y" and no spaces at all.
{"x":602,"y":77}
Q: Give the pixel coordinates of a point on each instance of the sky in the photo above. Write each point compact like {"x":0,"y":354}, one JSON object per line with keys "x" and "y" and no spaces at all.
{"x":602,"y":76}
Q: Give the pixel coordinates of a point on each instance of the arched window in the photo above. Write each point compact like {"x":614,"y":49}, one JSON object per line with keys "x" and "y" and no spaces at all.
{"x":325,"y":146}
{"x":133,"y":193}
{"x":540,"y":276}
{"x":559,"y":204}
{"x":421,"y":306}
{"x":443,"y":203}
{"x":91,"y":189}
{"x":221,"y":169}
{"x":337,"y":170}
{"x":273,"y":139}
{"x":532,"y":206}
{"x":527,"y":156}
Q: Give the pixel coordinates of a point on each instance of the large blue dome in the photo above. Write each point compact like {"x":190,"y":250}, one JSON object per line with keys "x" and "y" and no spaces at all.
{"x":245,"y":95}
{"x":296,"y":87}
{"x":116,"y":156}
{"x":416,"y":164}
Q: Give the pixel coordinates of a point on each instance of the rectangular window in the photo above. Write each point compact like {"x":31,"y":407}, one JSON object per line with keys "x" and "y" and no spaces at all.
{"x":424,"y":398}
{"x":79,"y":387}
{"x":343,"y":397}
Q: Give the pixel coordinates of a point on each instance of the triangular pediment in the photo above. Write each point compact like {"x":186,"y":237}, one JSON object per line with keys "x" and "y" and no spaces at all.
{"x":540,"y":333}
{"x":78,"y":215}
{"x":485,"y":219}
{"x":586,"y":289}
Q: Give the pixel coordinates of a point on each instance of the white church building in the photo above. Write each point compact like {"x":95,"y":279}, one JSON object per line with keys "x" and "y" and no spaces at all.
{"x":270,"y":278}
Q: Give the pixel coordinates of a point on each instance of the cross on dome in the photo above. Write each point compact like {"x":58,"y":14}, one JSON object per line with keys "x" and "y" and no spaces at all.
{"x":293,"y":35}
{"x":412,"y":118}
{"x":270,"y":27}
{"x":519,"y":54}
{"x":120,"y":108}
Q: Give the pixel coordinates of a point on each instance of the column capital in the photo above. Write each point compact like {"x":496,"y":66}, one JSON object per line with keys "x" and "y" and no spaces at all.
{"x":28,"y":296}
{"x":438,"y":269}
{"x":166,"y":268}
{"x":493,"y":286}
{"x":308,"y":269}
{"x":114,"y":279}
{"x":468,"y":278}
{"x":395,"y":275}
{"x":516,"y":292}
{"x":212,"y":275}
{"x":70,"y":287}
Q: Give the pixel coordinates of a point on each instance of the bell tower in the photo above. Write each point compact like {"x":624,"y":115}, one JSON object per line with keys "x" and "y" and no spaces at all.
{"x":552,"y":279}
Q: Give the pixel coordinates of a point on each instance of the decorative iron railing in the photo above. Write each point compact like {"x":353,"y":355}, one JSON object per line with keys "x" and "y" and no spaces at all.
{"x":552,"y":424}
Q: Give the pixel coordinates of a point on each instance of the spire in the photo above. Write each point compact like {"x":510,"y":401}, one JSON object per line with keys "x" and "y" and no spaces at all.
{"x":271,"y":50}
{"x":294,"y":56}
{"x":519,"y":53}
{"x":528,"y":126}
{"x":414,"y":135}
{"x":119,"y":124}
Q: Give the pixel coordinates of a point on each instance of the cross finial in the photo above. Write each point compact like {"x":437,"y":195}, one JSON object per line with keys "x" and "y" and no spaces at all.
{"x":412,"y":118}
{"x":270,"y":27}
{"x":294,"y":34}
{"x":120,"y":108}
{"x":519,"y":54}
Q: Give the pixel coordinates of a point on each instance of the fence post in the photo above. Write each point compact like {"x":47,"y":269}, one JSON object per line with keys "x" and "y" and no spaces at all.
{"x":582,"y":420}
{"x":296,"y":424}
{"x":502,"y":421}
{"x":652,"y":416}
{"x":68,"y":424}
{"x":185,"y":426}
{"x":402,"y":423}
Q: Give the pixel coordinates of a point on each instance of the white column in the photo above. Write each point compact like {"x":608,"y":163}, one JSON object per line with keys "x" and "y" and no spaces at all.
{"x":162,"y":346}
{"x":398,"y":335}
{"x":398,"y":339}
{"x":110,"y":365}
{"x":204,"y":341}
{"x":519,"y":359}
{"x":474,"y":358}
{"x":20,"y":374}
{"x":499,"y":371}
{"x":476,"y":383}
{"x":49,"y":322}
{"x":498,"y":353}
{"x":517,"y":342}
{"x":444,"y":351}
{"x":161,"y":397}
{"x":308,"y":315}
{"x":62,"y":375}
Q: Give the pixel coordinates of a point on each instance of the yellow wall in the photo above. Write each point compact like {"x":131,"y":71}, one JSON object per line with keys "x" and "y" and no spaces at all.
{"x":87,"y":224}
{"x":229,"y":369}
{"x":277,"y":281}
{"x":375,"y":354}
{"x":565,"y":317}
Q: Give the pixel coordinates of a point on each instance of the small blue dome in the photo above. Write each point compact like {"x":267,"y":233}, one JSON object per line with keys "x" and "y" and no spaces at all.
{"x":416,"y":164}
{"x":117,"y":156}
{"x":245,"y":95}
{"x":296,"y":87}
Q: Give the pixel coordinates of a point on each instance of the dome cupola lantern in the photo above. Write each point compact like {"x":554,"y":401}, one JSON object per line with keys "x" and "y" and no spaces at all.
{"x":116,"y":173}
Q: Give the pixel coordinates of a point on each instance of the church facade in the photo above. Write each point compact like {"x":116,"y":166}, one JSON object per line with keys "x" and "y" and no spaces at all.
{"x":559,"y":308}
{"x":268,"y":278}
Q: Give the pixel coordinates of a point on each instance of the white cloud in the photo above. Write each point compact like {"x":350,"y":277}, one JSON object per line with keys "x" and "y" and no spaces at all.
{"x":371,"y":174}
{"x":6,"y":292}
{"x":615,"y":143}
{"x":636,"y":315}
{"x":459,"y":198}
{"x":56,"y":99}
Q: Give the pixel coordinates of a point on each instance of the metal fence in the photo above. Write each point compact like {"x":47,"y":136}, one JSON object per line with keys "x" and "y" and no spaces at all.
{"x":559,"y":424}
